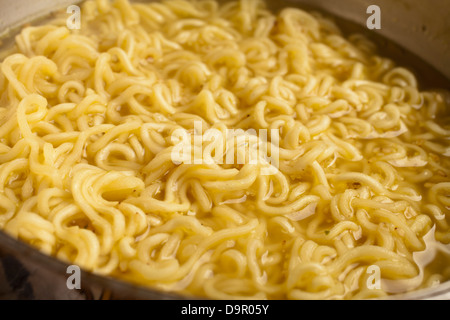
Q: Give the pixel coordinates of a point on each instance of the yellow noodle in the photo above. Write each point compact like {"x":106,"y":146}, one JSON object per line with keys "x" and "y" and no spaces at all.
{"x":90,"y":121}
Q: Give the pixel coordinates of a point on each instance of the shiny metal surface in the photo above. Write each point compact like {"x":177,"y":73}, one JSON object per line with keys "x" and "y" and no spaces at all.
{"x":421,"y":27}
{"x":15,"y":13}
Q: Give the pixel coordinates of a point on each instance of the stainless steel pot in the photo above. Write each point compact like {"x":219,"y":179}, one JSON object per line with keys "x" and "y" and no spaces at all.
{"x":414,"y":32}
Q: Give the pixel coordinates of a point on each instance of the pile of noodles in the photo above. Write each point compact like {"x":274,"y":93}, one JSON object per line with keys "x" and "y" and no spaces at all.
{"x":87,"y":174}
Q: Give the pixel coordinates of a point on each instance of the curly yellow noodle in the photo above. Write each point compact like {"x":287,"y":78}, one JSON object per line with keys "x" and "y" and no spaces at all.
{"x":90,"y":120}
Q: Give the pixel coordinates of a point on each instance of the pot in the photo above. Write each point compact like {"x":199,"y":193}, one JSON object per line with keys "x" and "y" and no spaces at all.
{"x":415,"y":32}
